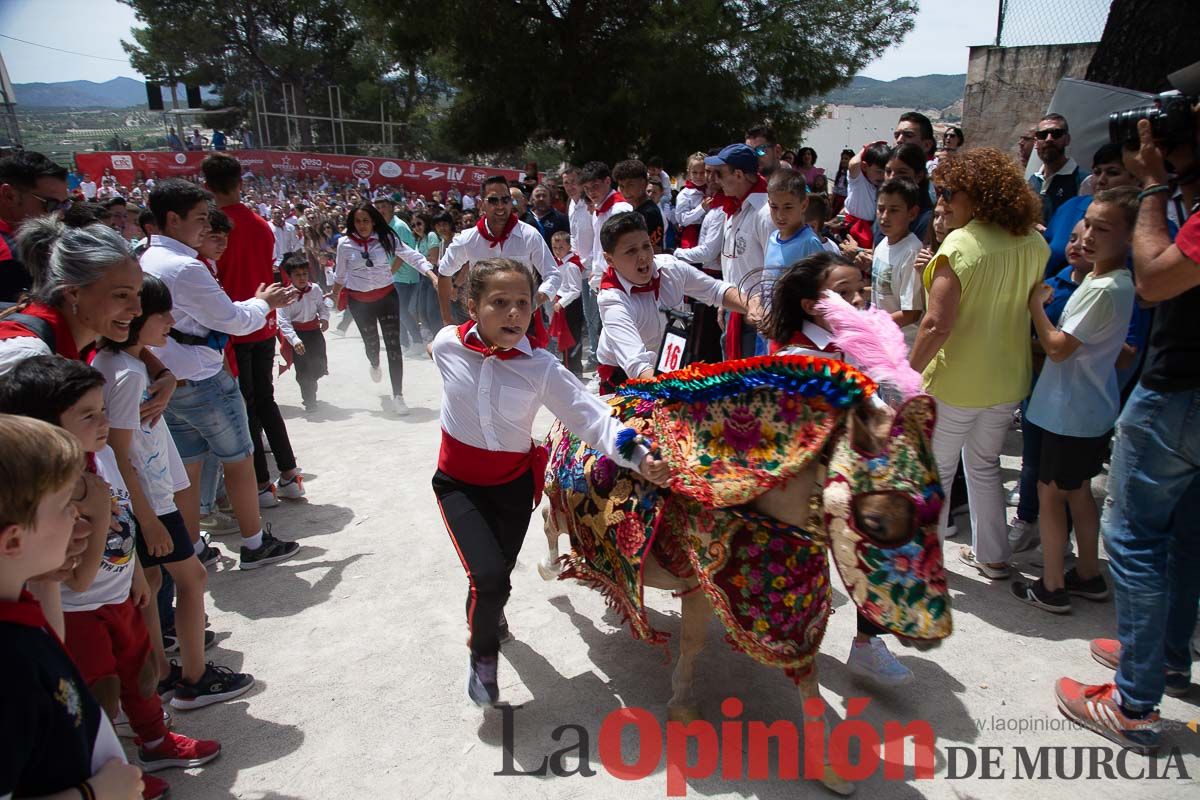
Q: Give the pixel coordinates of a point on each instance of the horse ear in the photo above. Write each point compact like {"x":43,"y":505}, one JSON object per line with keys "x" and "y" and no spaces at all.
{"x":917,"y":414}
{"x":869,"y":427}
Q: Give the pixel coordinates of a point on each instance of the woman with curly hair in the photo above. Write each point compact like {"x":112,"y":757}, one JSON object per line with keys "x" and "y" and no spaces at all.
{"x":973,"y":343}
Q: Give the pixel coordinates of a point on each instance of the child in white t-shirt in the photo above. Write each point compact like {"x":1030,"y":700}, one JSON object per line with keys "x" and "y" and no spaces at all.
{"x":895,"y":284}
{"x":150,"y":466}
{"x":865,"y":174}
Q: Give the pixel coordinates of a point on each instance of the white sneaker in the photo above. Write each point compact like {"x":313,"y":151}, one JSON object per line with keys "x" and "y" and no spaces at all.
{"x":268,"y":497}
{"x":873,"y":660}
{"x":376,"y":374}
{"x":1022,"y":535}
{"x":399,"y":407}
{"x":1014,"y":497}
{"x":951,"y":531}
{"x":291,"y":488}
{"x":218,"y":523}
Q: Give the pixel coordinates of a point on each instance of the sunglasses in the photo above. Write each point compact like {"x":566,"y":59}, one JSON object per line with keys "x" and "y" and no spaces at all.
{"x":1055,"y":133}
{"x":760,"y":151}
{"x":50,"y":204}
{"x":493,"y":200}
{"x":946,"y":194}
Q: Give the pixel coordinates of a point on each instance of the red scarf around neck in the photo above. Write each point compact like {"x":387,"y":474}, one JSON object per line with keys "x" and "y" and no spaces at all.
{"x":482,"y":227}
{"x":613,"y":198}
{"x":363,"y":243}
{"x":610,"y":281}
{"x":690,"y":185}
{"x":732,"y":205}
{"x":476,"y":344}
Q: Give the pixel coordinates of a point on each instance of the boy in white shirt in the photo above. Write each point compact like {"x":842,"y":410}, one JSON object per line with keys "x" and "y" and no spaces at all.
{"x":596,"y":178}
{"x":303,"y":325}
{"x":895,"y":284}
{"x":865,"y":172}
{"x":634,"y":287}
{"x":567,"y":322}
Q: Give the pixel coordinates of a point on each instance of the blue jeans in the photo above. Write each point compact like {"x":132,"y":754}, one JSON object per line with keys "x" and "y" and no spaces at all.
{"x":591,"y":315}
{"x":209,"y":415}
{"x":212,"y":483}
{"x":1152,"y":537}
{"x":410,"y":331}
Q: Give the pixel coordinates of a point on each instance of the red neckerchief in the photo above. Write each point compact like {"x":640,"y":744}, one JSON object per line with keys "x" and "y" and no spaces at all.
{"x":363,"y":243}
{"x":690,"y":185}
{"x":478,"y":346}
{"x":732,"y":205}
{"x":572,"y":258}
{"x":303,"y":291}
{"x":26,"y":611}
{"x":64,"y":341}
{"x":482,"y":227}
{"x":613,"y":197}
{"x":610,"y":281}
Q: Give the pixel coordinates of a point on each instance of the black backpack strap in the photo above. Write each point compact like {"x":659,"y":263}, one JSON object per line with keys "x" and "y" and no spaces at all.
{"x":38,"y":326}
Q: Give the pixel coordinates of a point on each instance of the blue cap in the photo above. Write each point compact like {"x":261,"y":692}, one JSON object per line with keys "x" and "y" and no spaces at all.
{"x":737,"y":156}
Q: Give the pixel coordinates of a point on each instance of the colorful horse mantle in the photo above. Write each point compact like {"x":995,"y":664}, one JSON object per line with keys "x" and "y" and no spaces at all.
{"x":732,"y":433}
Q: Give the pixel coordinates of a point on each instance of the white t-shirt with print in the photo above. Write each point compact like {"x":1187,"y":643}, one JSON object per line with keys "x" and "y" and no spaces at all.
{"x":115,"y":576}
{"x":160,"y":470}
{"x":895,"y":285}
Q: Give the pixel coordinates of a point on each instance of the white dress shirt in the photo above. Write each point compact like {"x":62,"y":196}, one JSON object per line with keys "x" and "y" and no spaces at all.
{"x":308,"y":306}
{"x":581,"y":230}
{"x":744,"y":239}
{"x":350,"y":263}
{"x":200,"y":306}
{"x":572,"y":271}
{"x":634,"y":325}
{"x":707,"y":252}
{"x":597,"y":265}
{"x":286,"y":241}
{"x":491,"y":403}
{"x":689,"y":207}
{"x":524,"y":245}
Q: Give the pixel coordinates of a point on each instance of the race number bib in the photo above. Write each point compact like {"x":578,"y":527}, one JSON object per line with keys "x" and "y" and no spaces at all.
{"x":673,"y":353}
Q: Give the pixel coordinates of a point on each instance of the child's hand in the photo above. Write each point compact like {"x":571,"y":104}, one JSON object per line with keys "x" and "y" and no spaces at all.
{"x":158,"y":541}
{"x":139,"y":590}
{"x":1039,"y":297}
{"x":117,"y":780}
{"x":754,"y":310}
{"x":558,"y":308}
{"x":924,"y":256}
{"x":298,"y":347}
{"x":324,"y":325}
{"x":96,"y":503}
{"x":655,"y":470}
{"x":160,"y":392}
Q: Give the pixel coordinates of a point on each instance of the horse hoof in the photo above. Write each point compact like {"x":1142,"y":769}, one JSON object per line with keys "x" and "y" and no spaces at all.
{"x":684,"y":714}
{"x":836,"y":783}
{"x":548,"y":570}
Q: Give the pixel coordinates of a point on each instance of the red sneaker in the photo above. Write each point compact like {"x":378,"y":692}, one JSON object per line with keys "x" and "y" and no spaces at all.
{"x":1096,"y":708}
{"x":154,"y":788}
{"x":1107,"y":652}
{"x":177,"y":751}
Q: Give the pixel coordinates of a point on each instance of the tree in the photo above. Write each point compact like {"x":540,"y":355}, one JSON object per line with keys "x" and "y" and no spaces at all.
{"x":659,"y":76}
{"x":1144,"y":41}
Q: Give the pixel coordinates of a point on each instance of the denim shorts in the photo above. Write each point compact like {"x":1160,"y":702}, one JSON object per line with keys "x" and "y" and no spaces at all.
{"x":209,"y":415}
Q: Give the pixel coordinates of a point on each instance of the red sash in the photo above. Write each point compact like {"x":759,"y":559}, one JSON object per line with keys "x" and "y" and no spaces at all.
{"x":560,"y":330}
{"x":370,"y":295}
{"x":860,"y":230}
{"x":312,"y":325}
{"x":480,"y":467}
{"x":733,"y":337}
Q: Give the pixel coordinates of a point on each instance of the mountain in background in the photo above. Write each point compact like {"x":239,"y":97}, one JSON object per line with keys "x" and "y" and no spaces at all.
{"x":924,"y":91}
{"x":117,"y":93}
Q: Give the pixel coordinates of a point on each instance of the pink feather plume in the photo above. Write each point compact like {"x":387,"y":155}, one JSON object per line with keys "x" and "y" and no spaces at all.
{"x":873,"y":342}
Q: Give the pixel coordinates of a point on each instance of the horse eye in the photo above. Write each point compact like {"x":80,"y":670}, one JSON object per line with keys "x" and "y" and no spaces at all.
{"x":888,"y":519}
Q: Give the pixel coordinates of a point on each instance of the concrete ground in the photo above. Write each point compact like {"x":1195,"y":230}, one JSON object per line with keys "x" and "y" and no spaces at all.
{"x":358,"y":647}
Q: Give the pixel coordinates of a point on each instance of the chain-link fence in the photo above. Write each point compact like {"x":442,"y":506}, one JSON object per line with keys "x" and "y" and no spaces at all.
{"x":1029,"y":22}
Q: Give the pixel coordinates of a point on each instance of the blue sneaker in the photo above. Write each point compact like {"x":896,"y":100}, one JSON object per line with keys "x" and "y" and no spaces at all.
{"x":481,"y":680}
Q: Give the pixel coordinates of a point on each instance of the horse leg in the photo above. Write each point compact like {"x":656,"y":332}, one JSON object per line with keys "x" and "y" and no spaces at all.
{"x":695,"y":613}
{"x":548,"y":567}
{"x":809,"y":688}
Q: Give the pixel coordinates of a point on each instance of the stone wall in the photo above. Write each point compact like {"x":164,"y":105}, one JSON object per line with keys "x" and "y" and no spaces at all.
{"x":1008,"y":88}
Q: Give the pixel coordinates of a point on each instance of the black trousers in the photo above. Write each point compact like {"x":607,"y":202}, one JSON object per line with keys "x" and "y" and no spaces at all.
{"x":705,"y":336}
{"x":382,"y":315}
{"x":256,"y":378}
{"x":573,"y":358}
{"x":311,"y":366}
{"x":487,"y":525}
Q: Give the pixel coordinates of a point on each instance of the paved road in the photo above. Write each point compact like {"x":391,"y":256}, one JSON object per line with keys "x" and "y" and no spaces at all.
{"x":358,"y":648}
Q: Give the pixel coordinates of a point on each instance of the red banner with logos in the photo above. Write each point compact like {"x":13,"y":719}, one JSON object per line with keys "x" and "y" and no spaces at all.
{"x":422,"y":177}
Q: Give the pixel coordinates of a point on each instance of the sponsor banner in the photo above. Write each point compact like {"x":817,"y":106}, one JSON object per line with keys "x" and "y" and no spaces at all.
{"x":422,"y":177}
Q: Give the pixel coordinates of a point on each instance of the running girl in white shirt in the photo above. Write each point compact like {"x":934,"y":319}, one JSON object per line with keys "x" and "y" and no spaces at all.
{"x":490,"y":473}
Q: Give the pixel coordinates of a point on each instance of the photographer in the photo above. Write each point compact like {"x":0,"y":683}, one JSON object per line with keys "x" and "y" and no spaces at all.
{"x":1149,"y":528}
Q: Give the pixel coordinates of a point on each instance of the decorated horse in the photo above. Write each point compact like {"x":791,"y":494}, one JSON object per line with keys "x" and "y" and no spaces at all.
{"x":778,"y":464}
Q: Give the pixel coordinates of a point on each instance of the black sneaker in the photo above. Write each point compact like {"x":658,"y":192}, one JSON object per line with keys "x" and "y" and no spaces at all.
{"x":1036,"y":594}
{"x":502,"y":629}
{"x":1177,"y":684}
{"x":171,"y":641}
{"x":481,"y":680}
{"x":209,"y":555}
{"x":216,"y":685}
{"x":1088,"y":588}
{"x":272,"y":552}
{"x":167,"y":684}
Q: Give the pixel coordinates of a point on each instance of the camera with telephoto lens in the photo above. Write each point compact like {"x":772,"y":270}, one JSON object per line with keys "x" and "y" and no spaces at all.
{"x":1171,"y":121}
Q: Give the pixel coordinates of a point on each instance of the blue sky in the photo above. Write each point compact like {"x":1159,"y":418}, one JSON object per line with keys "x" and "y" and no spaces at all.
{"x":938,"y":43}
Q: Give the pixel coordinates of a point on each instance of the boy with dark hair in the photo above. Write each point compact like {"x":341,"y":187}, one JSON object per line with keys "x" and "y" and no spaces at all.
{"x":636,"y":282}
{"x":105,"y":634}
{"x":793,"y":239}
{"x":596,"y":179}
{"x":30,"y":185}
{"x":245,"y":264}
{"x":632,"y":183}
{"x":865,"y":173}
{"x":302,"y":325}
{"x":895,"y":284}
{"x":57,"y":738}
{"x":207,"y":412}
